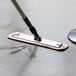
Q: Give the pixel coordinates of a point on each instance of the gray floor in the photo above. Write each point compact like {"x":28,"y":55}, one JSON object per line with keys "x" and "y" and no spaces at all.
{"x":54,"y":19}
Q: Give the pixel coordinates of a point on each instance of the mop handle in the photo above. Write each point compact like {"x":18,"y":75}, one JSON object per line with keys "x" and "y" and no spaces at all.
{"x":26,"y":20}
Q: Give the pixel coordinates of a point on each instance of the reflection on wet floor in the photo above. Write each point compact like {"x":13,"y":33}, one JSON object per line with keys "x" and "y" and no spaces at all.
{"x":31,"y":50}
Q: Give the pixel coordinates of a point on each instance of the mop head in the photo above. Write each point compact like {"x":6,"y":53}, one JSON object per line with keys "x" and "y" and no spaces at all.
{"x":26,"y":38}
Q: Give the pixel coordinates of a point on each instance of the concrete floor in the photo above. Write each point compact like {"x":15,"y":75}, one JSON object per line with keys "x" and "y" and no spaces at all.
{"x":54,"y":19}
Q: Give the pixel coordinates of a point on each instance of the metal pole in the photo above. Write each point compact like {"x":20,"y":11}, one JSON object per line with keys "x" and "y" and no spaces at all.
{"x":27,"y":21}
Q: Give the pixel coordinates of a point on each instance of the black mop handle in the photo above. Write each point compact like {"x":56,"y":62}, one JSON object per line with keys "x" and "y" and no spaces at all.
{"x":26,"y":20}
